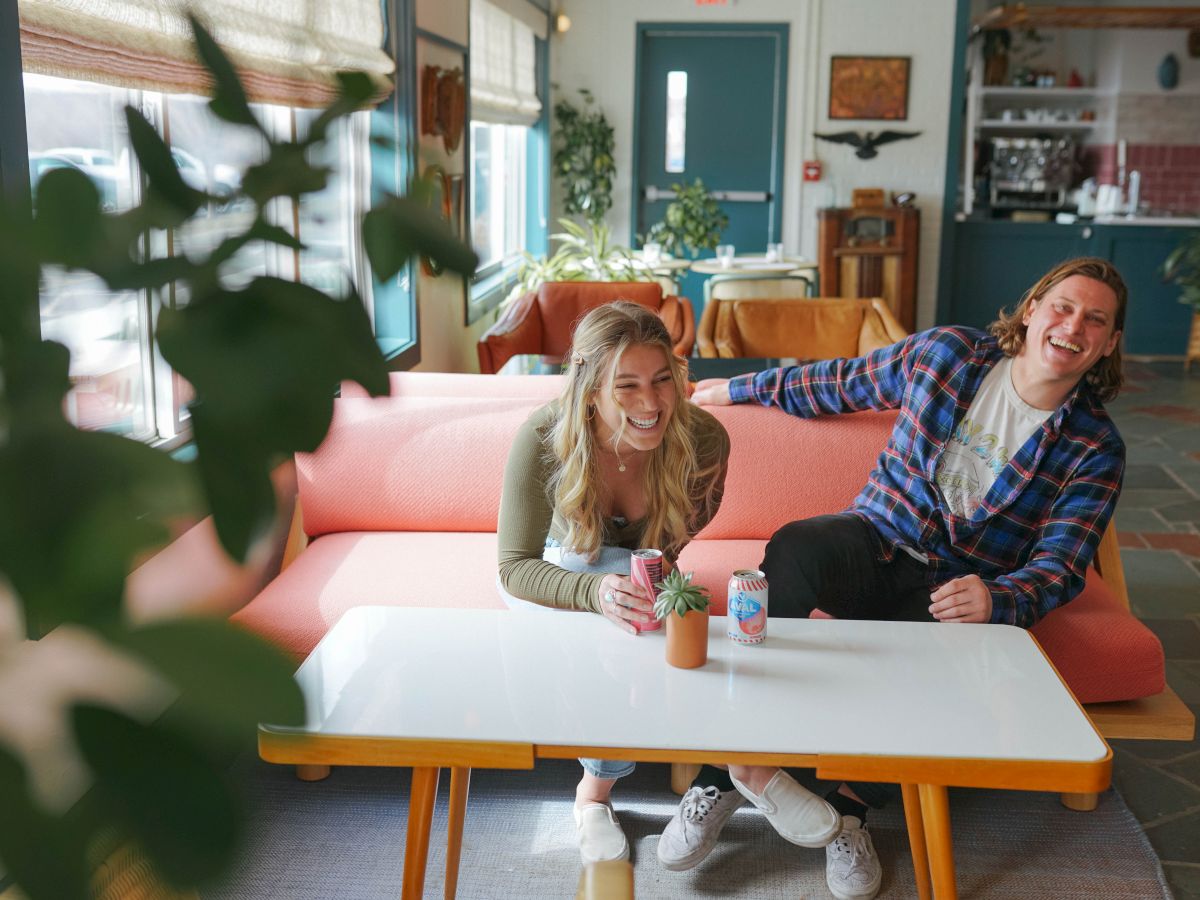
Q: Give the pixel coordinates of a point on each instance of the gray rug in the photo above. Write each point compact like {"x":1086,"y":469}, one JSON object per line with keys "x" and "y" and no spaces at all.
{"x":343,"y":838}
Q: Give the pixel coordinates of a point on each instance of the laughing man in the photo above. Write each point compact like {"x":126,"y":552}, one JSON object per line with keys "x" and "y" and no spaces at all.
{"x":986,"y":505}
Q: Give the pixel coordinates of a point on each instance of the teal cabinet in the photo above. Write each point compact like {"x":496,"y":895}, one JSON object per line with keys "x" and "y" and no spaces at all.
{"x":996,"y":262}
{"x":1156,"y":323}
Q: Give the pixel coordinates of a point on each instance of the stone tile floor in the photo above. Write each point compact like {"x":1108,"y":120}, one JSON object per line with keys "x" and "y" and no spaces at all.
{"x":1158,"y":522}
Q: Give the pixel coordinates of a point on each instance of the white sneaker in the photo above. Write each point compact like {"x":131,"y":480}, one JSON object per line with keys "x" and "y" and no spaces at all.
{"x":693,"y":830}
{"x":799,"y":815}
{"x":852,"y":869}
{"x":600,"y":834}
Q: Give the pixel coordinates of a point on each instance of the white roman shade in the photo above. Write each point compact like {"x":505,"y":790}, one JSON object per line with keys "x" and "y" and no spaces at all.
{"x":286,"y":51}
{"x":503,"y":64}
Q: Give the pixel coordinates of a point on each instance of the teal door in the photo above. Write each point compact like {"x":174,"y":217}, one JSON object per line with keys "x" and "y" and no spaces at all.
{"x":710,"y":105}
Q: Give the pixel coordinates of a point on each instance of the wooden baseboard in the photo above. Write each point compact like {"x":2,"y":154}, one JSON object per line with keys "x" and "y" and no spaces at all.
{"x":1163,"y":717}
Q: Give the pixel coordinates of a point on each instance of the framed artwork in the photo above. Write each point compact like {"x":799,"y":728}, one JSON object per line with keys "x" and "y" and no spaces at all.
{"x":868,"y":87}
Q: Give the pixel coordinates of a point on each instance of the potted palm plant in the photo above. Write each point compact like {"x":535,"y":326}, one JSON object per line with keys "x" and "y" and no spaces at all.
{"x":684,"y":607}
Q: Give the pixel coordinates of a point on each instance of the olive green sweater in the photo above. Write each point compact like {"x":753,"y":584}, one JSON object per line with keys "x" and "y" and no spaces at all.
{"x":527,"y":516}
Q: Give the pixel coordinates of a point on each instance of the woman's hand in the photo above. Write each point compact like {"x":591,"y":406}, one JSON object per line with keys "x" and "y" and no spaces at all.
{"x":712,"y":392}
{"x":623,"y":602}
{"x":964,"y":599}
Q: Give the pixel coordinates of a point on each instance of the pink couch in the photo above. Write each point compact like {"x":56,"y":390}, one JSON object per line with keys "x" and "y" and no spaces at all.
{"x":400,"y":506}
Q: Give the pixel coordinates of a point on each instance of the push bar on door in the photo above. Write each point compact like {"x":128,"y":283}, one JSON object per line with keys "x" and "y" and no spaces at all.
{"x":652,"y":193}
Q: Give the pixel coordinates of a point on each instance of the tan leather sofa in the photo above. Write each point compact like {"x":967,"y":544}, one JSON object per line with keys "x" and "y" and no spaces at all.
{"x":543,"y":321}
{"x":799,"y":328}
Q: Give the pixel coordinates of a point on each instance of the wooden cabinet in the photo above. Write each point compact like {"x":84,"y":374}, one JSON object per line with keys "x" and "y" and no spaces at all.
{"x":996,"y":262}
{"x":871,"y":252}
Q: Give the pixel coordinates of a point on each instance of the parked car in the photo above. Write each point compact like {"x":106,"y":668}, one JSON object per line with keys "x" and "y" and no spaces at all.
{"x":98,"y":165}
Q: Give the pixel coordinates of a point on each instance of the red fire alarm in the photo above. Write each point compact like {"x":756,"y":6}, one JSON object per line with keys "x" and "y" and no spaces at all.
{"x":812,"y":170}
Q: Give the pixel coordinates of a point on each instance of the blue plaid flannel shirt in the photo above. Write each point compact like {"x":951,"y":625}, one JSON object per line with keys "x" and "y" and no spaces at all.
{"x":1035,"y":533}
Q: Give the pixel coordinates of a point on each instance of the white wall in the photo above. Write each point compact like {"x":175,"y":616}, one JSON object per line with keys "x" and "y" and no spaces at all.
{"x":598,"y":53}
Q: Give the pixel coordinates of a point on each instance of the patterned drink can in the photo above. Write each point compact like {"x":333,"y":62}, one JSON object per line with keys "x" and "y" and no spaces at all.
{"x":747,"y":619}
{"x":646,"y":569}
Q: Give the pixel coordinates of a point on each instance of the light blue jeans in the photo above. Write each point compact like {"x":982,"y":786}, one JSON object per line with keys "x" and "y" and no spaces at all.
{"x":609,"y":560}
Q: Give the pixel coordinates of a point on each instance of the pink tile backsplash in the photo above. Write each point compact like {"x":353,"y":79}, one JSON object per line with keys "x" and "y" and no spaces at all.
{"x":1170,"y":172}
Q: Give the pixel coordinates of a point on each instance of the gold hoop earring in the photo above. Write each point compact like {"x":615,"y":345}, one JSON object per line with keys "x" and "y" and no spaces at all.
{"x":591,"y":413}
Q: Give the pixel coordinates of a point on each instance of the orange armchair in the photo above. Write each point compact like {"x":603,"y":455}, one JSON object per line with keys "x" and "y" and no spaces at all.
{"x":543,"y":321}
{"x":796,"y":328}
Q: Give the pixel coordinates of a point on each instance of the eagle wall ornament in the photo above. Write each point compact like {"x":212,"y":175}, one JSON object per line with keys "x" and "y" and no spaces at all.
{"x":865,"y":143}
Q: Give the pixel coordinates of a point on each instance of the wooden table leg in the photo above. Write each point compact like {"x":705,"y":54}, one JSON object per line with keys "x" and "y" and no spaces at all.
{"x":916,"y":839}
{"x":420,"y":818}
{"x":460,"y":782}
{"x":935,"y":811}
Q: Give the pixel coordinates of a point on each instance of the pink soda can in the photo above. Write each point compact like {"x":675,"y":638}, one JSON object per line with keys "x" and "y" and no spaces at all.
{"x":646,"y":570}
{"x":746,"y":622}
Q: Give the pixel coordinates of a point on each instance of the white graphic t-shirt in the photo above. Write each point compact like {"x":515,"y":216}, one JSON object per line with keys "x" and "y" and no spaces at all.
{"x":989,"y":435}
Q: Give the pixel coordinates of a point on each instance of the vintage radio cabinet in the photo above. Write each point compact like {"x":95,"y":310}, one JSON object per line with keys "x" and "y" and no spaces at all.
{"x":871,"y":252}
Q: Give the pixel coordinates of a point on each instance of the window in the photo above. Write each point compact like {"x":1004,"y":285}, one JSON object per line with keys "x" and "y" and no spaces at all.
{"x":119,"y":383}
{"x":506,"y":135}
{"x":498,"y":193}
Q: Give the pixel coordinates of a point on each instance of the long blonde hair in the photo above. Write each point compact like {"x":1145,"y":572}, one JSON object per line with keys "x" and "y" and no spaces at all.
{"x":1106,"y":376}
{"x":679,"y":494}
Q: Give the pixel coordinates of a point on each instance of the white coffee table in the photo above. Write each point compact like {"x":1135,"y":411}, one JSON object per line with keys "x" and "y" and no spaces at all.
{"x":924,"y":705}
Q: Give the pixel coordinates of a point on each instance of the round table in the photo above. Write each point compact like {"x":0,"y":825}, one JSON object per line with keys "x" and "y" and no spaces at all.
{"x":753,"y":265}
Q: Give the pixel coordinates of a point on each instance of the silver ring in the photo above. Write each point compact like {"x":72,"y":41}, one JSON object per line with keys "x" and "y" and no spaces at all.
{"x":610,"y":597}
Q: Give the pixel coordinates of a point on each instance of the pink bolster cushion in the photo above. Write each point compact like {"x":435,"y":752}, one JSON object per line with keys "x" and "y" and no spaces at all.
{"x":410,"y":464}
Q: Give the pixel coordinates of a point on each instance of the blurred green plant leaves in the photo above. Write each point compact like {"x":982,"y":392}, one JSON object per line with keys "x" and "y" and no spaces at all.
{"x":155,"y":159}
{"x":400,"y":227}
{"x":95,"y":501}
{"x":229,"y":98}
{"x":41,"y":852}
{"x":81,"y":508}
{"x":229,"y":678}
{"x":164,"y":793}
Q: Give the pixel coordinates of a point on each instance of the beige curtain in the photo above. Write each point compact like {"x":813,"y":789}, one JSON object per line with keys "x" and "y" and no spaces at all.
{"x":503,"y":67}
{"x":286,"y":51}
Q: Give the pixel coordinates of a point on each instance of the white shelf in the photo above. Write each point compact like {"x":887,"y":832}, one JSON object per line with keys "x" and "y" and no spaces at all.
{"x":1023,"y":125}
{"x":1054,"y":93}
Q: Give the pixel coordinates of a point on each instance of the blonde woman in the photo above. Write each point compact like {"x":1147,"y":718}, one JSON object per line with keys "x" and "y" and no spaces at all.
{"x":619,"y":461}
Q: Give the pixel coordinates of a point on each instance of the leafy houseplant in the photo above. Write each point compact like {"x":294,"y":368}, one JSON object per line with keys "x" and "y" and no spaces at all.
{"x":684,"y":606}
{"x":1182,"y":267}
{"x":693,"y":221}
{"x":585,"y":253}
{"x":263,"y":359}
{"x":583,"y":157}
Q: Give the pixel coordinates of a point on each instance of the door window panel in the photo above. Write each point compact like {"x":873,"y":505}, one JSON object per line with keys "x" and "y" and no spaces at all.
{"x":676,"y":121}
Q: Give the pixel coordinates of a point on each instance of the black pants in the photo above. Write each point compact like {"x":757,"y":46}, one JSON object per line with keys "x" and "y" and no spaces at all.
{"x":831,"y":563}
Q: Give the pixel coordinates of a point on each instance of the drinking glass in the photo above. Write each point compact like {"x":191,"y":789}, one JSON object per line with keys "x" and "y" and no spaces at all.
{"x":725,"y":255}
{"x":652,"y":253}
{"x":774,"y":253}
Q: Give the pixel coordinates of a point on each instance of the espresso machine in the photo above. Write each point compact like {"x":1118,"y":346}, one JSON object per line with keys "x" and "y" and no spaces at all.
{"x":1032,"y":172}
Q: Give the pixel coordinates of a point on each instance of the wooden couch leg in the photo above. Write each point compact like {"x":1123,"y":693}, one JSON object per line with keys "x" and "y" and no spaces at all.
{"x":312,"y":773}
{"x":682,"y":775}
{"x":1080,"y":802}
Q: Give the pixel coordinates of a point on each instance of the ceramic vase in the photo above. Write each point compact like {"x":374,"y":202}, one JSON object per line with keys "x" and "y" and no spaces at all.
{"x":687,"y":639}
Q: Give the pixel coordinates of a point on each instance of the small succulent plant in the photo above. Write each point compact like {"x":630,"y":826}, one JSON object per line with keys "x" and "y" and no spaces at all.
{"x":679,"y":595}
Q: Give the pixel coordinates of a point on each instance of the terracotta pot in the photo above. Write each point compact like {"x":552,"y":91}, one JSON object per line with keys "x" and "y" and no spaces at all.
{"x":687,"y":639}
